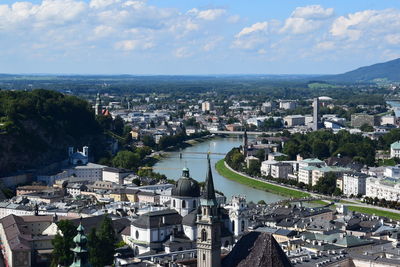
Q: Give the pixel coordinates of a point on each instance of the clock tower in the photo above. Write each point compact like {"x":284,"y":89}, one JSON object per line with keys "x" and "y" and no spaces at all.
{"x":209,"y":226}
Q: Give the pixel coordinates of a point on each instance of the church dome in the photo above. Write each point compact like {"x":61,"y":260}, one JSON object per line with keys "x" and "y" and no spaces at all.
{"x":186,"y":186}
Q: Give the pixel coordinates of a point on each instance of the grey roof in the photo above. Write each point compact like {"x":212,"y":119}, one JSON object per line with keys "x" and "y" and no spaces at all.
{"x":190,"y":219}
{"x":257,"y":249}
{"x":156,"y":219}
{"x":186,"y":186}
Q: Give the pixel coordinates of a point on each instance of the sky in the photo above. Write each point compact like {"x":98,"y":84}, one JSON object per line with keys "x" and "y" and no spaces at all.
{"x":185,"y":37}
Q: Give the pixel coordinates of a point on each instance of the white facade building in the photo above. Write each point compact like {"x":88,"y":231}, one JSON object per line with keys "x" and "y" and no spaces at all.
{"x":395,"y":150}
{"x":354,"y":184}
{"x":388,"y":188}
{"x":276,"y":169}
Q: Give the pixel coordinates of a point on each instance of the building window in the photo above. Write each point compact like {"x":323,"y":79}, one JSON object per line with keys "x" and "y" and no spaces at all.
{"x":194,"y":203}
{"x":242,"y":226}
{"x":203,"y":235}
{"x":137,"y":234}
{"x":183,"y":204}
{"x":233,"y":226}
{"x":204,"y":256}
{"x":173,"y":203}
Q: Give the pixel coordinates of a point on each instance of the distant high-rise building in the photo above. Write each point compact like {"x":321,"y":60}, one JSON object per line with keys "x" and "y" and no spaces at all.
{"x":315,"y":114}
{"x":207,"y":106}
{"x":98,"y":109}
{"x":245,"y":143}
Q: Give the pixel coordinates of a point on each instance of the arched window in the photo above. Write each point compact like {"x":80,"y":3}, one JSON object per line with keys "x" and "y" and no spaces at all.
{"x":203,"y":235}
{"x":194,"y":203}
{"x":242,"y":226}
{"x":137,"y":234}
{"x":173,"y":203}
{"x":233,"y":226}
{"x":183,"y":204}
{"x":136,"y":251}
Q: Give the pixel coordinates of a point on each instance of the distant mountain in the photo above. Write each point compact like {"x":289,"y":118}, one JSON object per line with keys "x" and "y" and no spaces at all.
{"x":387,"y":71}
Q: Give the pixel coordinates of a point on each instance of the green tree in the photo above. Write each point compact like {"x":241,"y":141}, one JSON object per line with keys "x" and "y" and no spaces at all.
{"x":366,"y":128}
{"x":94,"y":246}
{"x":118,"y":126}
{"x":107,"y":241}
{"x":148,"y":141}
{"x":126,"y":159}
{"x":254,"y":168}
{"x":326,"y":184}
{"x":62,"y":244}
{"x":320,"y":149}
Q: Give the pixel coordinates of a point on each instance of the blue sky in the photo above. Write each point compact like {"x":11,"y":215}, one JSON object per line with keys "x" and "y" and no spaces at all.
{"x":196,"y":36}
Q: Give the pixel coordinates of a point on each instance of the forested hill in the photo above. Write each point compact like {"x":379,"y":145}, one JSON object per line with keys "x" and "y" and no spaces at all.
{"x":387,"y":71}
{"x":37,"y":127}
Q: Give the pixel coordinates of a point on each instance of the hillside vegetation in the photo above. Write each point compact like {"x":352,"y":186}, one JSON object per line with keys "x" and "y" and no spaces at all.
{"x":386,"y":71}
{"x":36,"y":128}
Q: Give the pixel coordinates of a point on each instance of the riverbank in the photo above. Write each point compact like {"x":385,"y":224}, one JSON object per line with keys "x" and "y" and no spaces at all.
{"x":377,"y":212}
{"x":261,"y":185}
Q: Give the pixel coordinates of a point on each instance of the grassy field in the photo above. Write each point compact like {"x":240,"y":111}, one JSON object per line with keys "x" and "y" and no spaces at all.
{"x":222,"y":170}
{"x":391,"y":215}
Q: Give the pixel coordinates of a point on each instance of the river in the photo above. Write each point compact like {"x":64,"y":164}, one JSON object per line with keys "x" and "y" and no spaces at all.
{"x":172,"y":167}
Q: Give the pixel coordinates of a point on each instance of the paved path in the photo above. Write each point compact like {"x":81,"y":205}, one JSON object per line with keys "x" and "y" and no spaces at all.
{"x":271,"y":183}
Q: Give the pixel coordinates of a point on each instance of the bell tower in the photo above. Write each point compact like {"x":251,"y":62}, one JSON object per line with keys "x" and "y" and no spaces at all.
{"x":209,"y":226}
{"x":245,"y":143}
{"x":98,"y":109}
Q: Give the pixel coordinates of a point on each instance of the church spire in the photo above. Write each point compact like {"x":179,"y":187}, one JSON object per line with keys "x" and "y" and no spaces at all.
{"x":245,"y":142}
{"x":209,"y":194}
{"x":80,"y":251}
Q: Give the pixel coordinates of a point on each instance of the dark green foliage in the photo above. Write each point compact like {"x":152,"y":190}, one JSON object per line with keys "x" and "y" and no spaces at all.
{"x":151,"y":174}
{"x":327,"y":185}
{"x":127,"y":160}
{"x":366,"y":128}
{"x":94,"y":246}
{"x":107,"y":239}
{"x":386,"y":70}
{"x":148,"y":141}
{"x":254,"y":168}
{"x":271,"y":124}
{"x":235,"y":159}
{"x":41,"y":124}
{"x":323,"y":144}
{"x":102,"y":243}
{"x":382,"y":203}
{"x":62,"y":254}
{"x":118,"y":126}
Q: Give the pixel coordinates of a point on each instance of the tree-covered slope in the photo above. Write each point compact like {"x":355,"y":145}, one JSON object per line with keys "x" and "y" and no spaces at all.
{"x":37,"y":127}
{"x":389,"y":70}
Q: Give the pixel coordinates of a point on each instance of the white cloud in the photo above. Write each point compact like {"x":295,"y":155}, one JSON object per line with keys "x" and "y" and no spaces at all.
{"x":259,"y":26}
{"x":102,"y":31}
{"x":211,"y":44}
{"x":130,"y":45}
{"x":208,"y":14}
{"x":393,"y":39}
{"x":233,"y":19}
{"x":182,"y":52}
{"x":102,"y":3}
{"x":325,"y":45}
{"x":369,"y":23}
{"x":306,"y":19}
{"x":313,"y":12}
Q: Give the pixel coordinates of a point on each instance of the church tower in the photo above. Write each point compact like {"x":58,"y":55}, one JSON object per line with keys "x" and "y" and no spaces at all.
{"x":98,"y":109}
{"x":81,"y":254}
{"x":209,"y":226}
{"x":245,"y":143}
